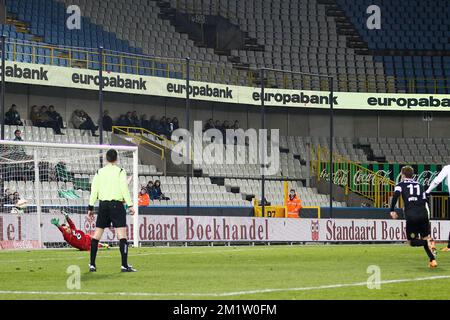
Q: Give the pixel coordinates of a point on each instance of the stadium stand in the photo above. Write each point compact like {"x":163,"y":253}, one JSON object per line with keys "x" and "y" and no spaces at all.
{"x":245,"y":177}
{"x":309,"y":196}
{"x":298,"y":147}
{"x":408,"y":150}
{"x":416,"y":48}
{"x":309,"y":38}
{"x":305,"y":40}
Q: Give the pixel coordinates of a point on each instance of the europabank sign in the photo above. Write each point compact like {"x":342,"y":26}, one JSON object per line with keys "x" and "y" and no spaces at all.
{"x":21,"y":230}
{"x":175,"y":88}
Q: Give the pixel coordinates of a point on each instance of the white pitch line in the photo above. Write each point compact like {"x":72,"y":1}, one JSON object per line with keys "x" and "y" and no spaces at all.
{"x":218,"y":295}
{"x":134,"y":255}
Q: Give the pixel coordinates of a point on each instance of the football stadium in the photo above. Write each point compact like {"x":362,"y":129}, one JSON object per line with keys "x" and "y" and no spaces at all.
{"x":224,"y":150}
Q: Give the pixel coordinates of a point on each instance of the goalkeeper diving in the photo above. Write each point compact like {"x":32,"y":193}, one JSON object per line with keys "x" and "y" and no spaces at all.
{"x":75,"y":237}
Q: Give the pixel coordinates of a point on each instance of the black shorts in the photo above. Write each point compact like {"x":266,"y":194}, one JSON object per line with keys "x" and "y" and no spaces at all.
{"x":111,"y":213}
{"x":417,"y":223}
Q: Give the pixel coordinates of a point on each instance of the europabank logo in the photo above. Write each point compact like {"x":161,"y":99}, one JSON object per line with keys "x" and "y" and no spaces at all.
{"x":315,"y":230}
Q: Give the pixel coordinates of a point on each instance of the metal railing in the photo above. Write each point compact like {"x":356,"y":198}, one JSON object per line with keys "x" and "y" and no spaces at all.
{"x":356,"y":178}
{"x":113,"y":61}
{"x":440,"y":207}
{"x":352,"y":176}
{"x":138,"y":136}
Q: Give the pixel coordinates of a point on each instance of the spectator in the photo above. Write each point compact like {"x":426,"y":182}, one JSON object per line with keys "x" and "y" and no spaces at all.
{"x":236,"y":125}
{"x":157,"y":191}
{"x":76,"y":119}
{"x":176,"y":124}
{"x":224,"y":128}
{"x":163,"y":127}
{"x":169,"y":127}
{"x":41,"y":119}
{"x":144,"y":198}
{"x":123,"y":121}
{"x":12,"y":117}
{"x":209,"y":125}
{"x":135,"y":120}
{"x":18,"y":152}
{"x":107,"y":121}
{"x":293,"y":204}
{"x":81,"y":120}
{"x":88,"y":124}
{"x":217,"y":125}
{"x":129,"y":118}
{"x":12,"y":198}
{"x":144,"y":122}
{"x":226,"y":125}
{"x":55,"y":116}
{"x":154,"y":125}
{"x":18,"y":135}
{"x":150,"y":190}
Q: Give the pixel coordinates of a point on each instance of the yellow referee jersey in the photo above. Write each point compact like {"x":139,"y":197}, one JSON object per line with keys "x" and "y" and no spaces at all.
{"x":110,"y":184}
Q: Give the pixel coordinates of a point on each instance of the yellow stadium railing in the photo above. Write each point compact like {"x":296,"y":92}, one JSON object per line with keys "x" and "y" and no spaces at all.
{"x":440,"y":207}
{"x":138,"y":134}
{"x":352,"y":176}
{"x":87,"y":58}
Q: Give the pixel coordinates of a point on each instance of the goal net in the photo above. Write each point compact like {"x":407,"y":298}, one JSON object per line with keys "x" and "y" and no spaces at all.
{"x":40,"y":182}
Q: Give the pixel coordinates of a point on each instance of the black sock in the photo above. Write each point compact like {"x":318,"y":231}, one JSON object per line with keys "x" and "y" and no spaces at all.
{"x":419,"y":243}
{"x":429,"y":253}
{"x":124,"y":252}
{"x":448,"y":241}
{"x":94,"y":249}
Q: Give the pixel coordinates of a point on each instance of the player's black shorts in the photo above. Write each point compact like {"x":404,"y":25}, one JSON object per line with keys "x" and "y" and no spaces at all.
{"x":417,"y":223}
{"x":111,"y":213}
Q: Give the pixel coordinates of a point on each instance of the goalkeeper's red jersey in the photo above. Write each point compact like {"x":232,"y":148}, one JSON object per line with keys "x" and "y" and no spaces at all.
{"x":76,"y":238}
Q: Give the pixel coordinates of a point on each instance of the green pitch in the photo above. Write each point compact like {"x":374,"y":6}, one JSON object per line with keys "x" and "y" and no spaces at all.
{"x":277,"y":272}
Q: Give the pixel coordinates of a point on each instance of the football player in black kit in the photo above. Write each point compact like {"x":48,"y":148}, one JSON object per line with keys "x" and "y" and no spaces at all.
{"x":418,"y":227}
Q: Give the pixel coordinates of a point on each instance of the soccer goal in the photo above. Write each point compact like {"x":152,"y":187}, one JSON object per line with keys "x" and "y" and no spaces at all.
{"x":40,"y":182}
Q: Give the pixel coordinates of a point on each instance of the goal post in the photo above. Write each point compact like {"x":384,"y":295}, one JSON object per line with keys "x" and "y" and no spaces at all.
{"x":41,"y":181}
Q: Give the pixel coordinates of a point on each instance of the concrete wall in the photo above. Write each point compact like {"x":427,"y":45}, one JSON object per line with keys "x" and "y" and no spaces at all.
{"x":290,"y":121}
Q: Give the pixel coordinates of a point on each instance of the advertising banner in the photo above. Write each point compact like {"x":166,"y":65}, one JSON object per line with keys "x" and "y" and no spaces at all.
{"x":425,"y":173}
{"x":19,"y":230}
{"x":76,"y":78}
{"x":357,"y":178}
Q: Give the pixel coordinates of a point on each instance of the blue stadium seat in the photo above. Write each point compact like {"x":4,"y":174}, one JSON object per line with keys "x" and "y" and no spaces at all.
{"x":47,"y":19}
{"x":406,"y":25}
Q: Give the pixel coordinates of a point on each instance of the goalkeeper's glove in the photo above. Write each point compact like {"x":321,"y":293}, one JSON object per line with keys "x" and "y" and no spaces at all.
{"x":55,"y":222}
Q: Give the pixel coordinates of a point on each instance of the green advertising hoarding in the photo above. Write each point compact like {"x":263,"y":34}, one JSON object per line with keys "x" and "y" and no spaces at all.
{"x":425,"y":173}
{"x":357,"y":178}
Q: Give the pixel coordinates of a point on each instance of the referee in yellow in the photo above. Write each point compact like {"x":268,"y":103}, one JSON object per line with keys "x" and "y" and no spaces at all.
{"x":110,"y":187}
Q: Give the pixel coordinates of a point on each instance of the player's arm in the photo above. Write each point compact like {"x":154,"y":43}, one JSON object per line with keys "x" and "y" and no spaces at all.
{"x":125,"y":191}
{"x":71,"y":224}
{"x":55,"y":222}
{"x":94,"y":195}
{"x":439,"y":179}
{"x":397,"y":194}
